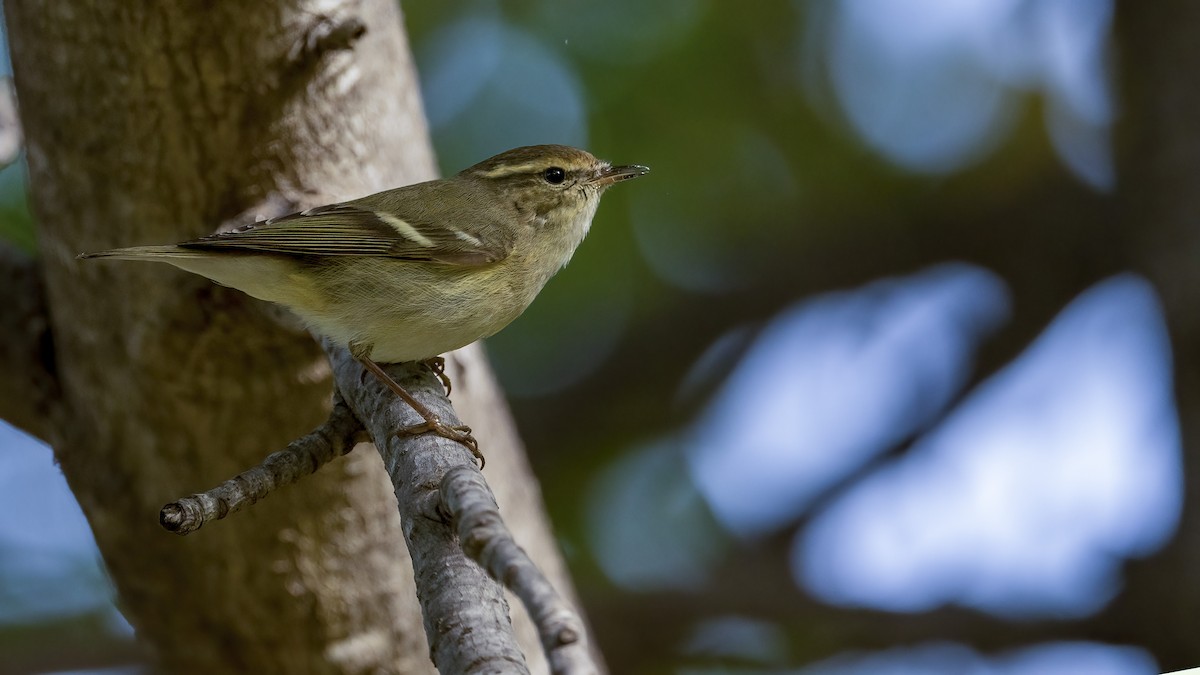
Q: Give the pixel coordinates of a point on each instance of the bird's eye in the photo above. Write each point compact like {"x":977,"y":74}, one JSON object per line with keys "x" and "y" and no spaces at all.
{"x":554,"y":175}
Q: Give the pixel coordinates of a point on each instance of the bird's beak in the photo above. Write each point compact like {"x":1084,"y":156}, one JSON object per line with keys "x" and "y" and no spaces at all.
{"x":615,"y":174}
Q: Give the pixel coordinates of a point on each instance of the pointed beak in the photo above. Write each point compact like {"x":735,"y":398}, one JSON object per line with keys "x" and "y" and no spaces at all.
{"x":615,"y":174}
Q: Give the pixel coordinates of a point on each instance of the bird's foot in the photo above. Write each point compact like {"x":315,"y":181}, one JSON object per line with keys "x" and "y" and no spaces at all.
{"x":459,"y":433}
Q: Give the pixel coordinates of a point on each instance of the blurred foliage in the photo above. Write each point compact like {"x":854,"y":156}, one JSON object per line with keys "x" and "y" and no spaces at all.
{"x":16,"y":224}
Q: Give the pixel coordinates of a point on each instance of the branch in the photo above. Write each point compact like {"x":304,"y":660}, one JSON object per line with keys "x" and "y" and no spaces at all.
{"x":437,"y":485}
{"x":468,"y":501}
{"x":30,"y":398}
{"x":465,"y":612}
{"x":335,"y":437}
{"x":454,"y":625}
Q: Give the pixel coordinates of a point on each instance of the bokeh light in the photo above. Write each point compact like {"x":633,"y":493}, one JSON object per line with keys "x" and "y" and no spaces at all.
{"x":1027,"y":499}
{"x":647,"y":526}
{"x":49,"y":564}
{"x":833,"y":381}
{"x":934,"y":85}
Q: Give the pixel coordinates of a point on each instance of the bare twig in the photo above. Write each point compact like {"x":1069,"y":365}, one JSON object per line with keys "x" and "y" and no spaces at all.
{"x":468,"y":501}
{"x":335,"y":437}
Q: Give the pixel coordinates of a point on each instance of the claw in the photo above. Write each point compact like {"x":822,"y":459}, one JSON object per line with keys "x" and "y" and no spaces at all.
{"x":438,"y":365}
{"x":460,"y":434}
{"x":432,"y":423}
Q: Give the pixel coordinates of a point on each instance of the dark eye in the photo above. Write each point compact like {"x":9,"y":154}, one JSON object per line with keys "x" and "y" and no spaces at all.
{"x":554,"y":175}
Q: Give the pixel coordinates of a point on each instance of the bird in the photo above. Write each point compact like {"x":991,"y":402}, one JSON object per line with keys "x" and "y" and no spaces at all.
{"x":411,"y":273}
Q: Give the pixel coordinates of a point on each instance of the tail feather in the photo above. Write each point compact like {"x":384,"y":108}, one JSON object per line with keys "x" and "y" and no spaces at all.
{"x":143,"y":253}
{"x":263,"y":277}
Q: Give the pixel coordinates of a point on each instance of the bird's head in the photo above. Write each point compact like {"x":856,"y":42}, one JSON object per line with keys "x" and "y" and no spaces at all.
{"x":551,"y":183}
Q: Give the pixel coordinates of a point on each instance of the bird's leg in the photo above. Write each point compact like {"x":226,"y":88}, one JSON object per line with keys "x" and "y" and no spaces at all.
{"x":432,"y":424}
{"x":438,"y":365}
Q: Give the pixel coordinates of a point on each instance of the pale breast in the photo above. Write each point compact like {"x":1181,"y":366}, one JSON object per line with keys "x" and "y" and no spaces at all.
{"x":411,"y":311}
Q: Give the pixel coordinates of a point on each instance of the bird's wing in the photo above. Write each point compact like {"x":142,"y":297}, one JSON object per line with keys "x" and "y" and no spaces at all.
{"x":353,"y":228}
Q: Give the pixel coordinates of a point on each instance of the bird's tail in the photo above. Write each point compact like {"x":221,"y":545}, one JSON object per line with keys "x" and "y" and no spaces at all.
{"x":144,"y":253}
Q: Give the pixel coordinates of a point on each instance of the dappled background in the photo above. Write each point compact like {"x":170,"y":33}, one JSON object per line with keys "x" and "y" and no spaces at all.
{"x":872,"y":374}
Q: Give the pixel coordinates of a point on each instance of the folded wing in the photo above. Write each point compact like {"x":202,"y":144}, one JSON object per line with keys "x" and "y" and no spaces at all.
{"x":352,"y":228}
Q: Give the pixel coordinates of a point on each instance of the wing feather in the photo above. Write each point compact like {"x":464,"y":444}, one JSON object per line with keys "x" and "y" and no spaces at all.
{"x":357,"y":229}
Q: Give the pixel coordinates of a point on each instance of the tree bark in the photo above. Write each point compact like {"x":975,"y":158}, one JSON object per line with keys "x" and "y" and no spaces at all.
{"x":154,"y":122}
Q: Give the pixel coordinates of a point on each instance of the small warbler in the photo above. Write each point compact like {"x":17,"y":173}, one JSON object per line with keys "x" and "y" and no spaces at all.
{"x":410,"y":273}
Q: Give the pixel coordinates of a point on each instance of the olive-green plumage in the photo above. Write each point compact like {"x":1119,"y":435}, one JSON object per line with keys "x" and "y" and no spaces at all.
{"x":410,"y":273}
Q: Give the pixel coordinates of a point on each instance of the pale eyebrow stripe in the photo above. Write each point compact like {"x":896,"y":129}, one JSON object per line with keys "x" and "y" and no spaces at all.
{"x":502,"y":171}
{"x":404,"y":228}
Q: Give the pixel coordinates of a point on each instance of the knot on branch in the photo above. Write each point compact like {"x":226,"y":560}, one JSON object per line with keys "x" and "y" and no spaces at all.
{"x":566,"y":636}
{"x":180,"y":517}
{"x":324,"y":37}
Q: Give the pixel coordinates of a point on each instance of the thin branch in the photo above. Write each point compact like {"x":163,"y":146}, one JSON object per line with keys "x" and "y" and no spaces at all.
{"x":335,"y":437}
{"x":465,"y":612}
{"x":30,"y":398}
{"x":468,"y":500}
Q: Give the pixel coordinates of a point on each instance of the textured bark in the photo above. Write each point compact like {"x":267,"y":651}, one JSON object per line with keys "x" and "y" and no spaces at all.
{"x":153,"y":122}
{"x":478,"y":399}
{"x":466,"y":615}
{"x":472,"y":509}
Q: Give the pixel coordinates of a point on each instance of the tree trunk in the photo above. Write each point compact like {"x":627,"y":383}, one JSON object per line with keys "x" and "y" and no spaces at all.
{"x":154,"y":122}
